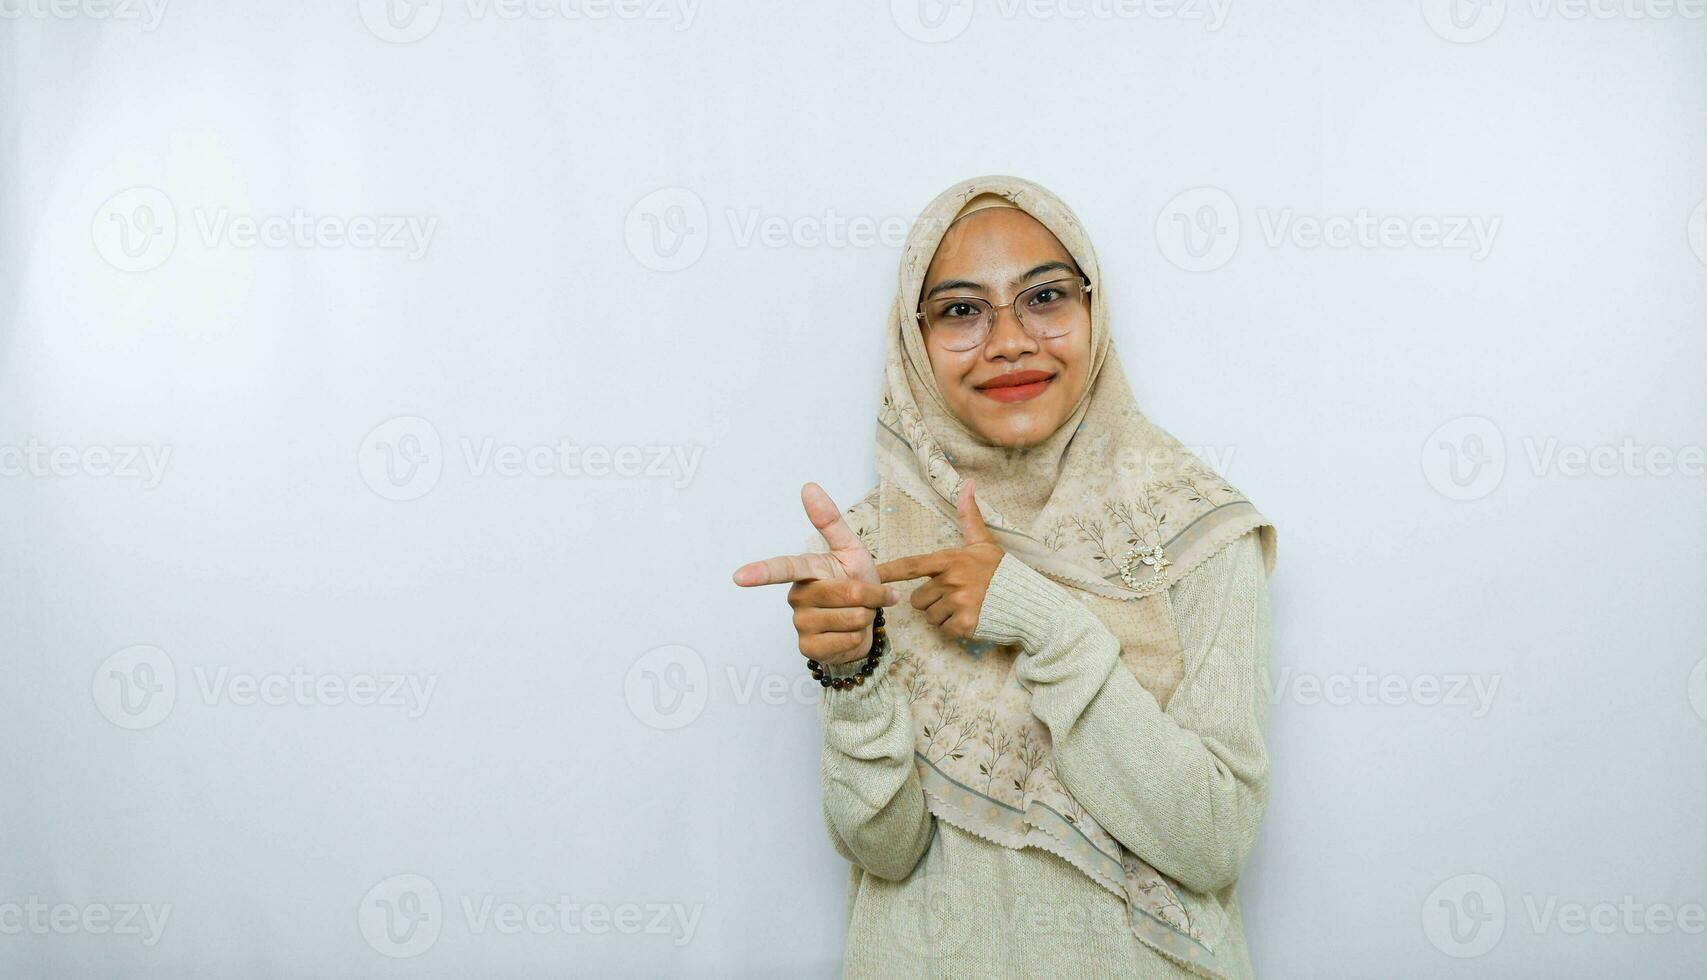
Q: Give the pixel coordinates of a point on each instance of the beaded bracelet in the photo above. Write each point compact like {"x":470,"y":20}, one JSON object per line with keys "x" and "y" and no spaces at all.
{"x":879,"y":643}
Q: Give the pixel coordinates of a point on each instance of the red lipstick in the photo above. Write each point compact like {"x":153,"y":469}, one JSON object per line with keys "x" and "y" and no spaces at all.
{"x":1016,"y":386}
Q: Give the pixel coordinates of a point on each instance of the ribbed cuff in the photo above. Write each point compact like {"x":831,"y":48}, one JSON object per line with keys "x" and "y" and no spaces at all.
{"x":1020,"y":606}
{"x":844,"y":701}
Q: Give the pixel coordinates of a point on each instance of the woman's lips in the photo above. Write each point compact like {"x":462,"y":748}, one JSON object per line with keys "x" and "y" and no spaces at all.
{"x":1018,"y":386}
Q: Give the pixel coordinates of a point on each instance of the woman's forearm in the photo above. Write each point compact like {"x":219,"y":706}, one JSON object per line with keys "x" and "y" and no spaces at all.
{"x":1184,"y":788}
{"x":874,"y":805}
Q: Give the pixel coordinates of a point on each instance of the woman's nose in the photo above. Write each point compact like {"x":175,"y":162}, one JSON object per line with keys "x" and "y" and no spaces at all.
{"x":1008,"y":338}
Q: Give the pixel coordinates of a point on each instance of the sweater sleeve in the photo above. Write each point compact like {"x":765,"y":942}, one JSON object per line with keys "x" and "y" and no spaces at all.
{"x":1184,"y":788}
{"x":874,"y":804}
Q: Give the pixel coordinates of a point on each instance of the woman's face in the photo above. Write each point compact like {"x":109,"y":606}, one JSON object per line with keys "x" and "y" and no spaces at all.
{"x":993,"y":254}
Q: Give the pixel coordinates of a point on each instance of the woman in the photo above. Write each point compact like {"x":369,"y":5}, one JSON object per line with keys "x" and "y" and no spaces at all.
{"x":1049,"y":761}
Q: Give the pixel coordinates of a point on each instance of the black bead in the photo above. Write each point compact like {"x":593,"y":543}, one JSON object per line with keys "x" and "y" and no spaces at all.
{"x":813,"y":665}
{"x":825,"y":681}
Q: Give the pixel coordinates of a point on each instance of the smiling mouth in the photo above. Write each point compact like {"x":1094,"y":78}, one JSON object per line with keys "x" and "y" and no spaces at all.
{"x":1017,"y":386}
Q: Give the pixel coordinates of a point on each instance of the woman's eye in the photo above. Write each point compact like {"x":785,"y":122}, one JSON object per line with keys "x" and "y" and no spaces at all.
{"x":1043,"y":297}
{"x":956,"y":311}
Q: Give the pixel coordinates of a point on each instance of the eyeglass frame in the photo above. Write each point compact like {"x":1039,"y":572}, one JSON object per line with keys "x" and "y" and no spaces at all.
{"x":996,"y":311}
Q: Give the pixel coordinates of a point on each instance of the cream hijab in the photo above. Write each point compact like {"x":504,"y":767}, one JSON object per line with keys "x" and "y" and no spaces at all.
{"x":1109,"y":506}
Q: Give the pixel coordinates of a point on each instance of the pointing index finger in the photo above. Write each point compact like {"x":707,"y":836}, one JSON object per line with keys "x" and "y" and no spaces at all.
{"x":785,"y":568}
{"x":913,"y":566}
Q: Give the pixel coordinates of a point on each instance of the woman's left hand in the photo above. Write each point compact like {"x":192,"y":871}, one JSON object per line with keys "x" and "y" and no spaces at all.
{"x":959,"y":577}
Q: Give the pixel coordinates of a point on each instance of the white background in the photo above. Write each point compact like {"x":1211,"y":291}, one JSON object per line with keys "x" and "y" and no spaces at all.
{"x":558,"y":301}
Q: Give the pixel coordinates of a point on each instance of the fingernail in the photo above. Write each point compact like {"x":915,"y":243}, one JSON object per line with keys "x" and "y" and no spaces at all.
{"x":891,"y":597}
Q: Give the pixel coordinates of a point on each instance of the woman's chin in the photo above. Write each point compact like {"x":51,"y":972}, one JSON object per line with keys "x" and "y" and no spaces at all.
{"x":1018,"y":432}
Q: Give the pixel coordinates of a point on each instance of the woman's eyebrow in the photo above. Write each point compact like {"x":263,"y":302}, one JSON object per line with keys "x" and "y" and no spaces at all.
{"x":1045,"y":267}
{"x":953,"y":284}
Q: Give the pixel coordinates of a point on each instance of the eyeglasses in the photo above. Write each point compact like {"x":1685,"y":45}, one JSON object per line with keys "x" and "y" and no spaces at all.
{"x":1045,"y":311}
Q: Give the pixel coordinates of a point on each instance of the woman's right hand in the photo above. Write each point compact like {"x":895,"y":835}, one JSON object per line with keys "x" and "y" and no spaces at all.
{"x":835,"y":596}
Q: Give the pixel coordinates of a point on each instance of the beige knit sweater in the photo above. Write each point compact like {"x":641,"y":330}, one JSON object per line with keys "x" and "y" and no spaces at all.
{"x":1184,"y":788}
